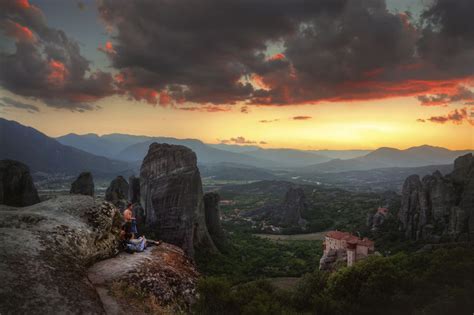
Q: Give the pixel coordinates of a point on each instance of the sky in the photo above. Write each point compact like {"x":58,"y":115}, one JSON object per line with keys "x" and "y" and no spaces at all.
{"x":325,"y":74}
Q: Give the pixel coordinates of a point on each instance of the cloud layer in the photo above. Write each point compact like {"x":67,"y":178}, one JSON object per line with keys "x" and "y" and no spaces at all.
{"x":216,"y":51}
{"x":262,"y":52}
{"x":45,"y":63}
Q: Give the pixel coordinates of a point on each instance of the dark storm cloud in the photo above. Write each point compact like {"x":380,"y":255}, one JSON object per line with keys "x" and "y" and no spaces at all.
{"x":45,"y":63}
{"x":213,"y":51}
{"x":463,"y":95}
{"x":216,"y":52}
{"x":447,"y":41}
{"x":9,"y":102}
{"x":201,"y":49}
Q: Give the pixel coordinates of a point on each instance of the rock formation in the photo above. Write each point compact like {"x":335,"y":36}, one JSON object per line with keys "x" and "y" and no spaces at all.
{"x":134,"y":189}
{"x":290,"y":211}
{"x":16,"y":185}
{"x":117,"y":192}
{"x":440,"y":207}
{"x":83,"y":185}
{"x":162,"y":272}
{"x":213,"y":217}
{"x":287,"y":213}
{"x":377,"y":218}
{"x":45,"y":249}
{"x":172,"y":198}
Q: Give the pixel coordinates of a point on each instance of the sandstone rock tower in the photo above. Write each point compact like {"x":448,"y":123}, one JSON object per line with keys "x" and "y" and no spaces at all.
{"x":213,"y":220}
{"x":16,"y":185}
{"x":117,"y":192}
{"x":440,"y":207}
{"x":172,"y":198}
{"x":83,"y":185}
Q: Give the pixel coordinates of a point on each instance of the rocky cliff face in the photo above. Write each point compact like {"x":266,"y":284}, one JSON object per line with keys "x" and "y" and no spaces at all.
{"x":172,"y":198}
{"x":440,"y":207}
{"x":134,"y":189}
{"x":287,"y":213}
{"x":83,"y":185}
{"x":294,"y":203}
{"x":16,"y":185}
{"x":117,"y":192}
{"x":44,"y":251}
{"x":213,"y":217}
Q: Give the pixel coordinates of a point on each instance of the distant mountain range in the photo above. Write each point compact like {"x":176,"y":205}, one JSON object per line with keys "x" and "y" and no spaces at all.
{"x":44,"y":154}
{"x":119,"y":152}
{"x":389,"y":157}
{"x":133,"y":148}
{"x":107,"y":145}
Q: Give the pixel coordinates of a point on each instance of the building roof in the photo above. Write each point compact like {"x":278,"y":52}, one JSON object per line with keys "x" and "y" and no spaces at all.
{"x":382,"y":210}
{"x":349,"y":238}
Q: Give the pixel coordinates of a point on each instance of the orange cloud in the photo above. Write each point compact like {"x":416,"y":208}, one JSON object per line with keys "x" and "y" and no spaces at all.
{"x":108,"y":48}
{"x":165,"y":99}
{"x":276,"y":57}
{"x":258,"y":81}
{"x":18,"y":31}
{"x":24,"y":4}
{"x":57,"y":72}
{"x":149,"y":95}
{"x":457,"y":117}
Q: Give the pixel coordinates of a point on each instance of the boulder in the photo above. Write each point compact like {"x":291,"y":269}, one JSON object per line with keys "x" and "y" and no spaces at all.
{"x":44,"y":252}
{"x":16,"y":185}
{"x":172,"y":198}
{"x":440,"y":207}
{"x":83,"y":185}
{"x":117,"y":192}
{"x":213,"y":217}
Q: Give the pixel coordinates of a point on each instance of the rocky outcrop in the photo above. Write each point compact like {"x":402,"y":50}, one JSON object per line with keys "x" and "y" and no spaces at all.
{"x":440,"y":207}
{"x":83,"y":185}
{"x":134,"y":189}
{"x":213,"y":217}
{"x":117,"y":192}
{"x":172,"y":198}
{"x":45,"y":249}
{"x":16,"y":185}
{"x":162,"y":272}
{"x":293,"y":205}
{"x":333,"y":259}
{"x":287,"y":213}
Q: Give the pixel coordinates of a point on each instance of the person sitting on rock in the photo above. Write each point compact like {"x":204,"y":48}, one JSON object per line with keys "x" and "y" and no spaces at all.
{"x":128,"y":216}
{"x":130,"y":243}
{"x":128,"y":232}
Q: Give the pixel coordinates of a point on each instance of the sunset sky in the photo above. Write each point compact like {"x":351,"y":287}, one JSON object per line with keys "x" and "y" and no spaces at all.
{"x":322,"y":74}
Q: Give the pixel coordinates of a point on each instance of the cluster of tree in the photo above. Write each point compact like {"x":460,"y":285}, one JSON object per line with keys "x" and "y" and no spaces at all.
{"x":247,"y":258}
{"x":437,"y":282}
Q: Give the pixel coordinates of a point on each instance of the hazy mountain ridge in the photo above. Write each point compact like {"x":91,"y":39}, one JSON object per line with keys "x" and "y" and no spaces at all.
{"x":389,"y":157}
{"x":45,"y":154}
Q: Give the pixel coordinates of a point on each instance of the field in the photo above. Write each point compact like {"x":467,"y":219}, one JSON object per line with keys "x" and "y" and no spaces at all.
{"x":319,"y":236}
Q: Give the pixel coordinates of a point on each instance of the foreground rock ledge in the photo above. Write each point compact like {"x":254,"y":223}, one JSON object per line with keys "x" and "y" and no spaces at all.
{"x":163,"y":272}
{"x":45,"y":250}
